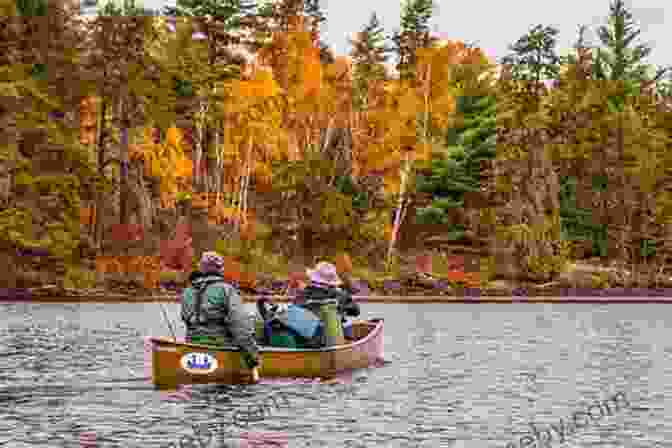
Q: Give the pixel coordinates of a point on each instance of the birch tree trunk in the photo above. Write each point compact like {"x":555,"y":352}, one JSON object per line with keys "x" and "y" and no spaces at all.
{"x":200,"y":123}
{"x":123,"y":181}
{"x":401,"y":205}
{"x":247,"y":180}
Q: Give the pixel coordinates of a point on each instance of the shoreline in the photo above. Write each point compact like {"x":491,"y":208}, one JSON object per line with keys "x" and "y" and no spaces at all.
{"x":639,"y":296}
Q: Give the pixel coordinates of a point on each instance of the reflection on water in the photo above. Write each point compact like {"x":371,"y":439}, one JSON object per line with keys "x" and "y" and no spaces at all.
{"x":458,"y":375}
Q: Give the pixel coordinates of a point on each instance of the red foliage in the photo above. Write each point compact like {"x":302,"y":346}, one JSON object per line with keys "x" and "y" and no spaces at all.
{"x":423,"y":263}
{"x":456,"y":262}
{"x":127,"y":232}
{"x":178,"y":253}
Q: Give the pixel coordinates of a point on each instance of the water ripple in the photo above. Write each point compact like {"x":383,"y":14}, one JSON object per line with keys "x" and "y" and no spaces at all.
{"x":457,"y":376}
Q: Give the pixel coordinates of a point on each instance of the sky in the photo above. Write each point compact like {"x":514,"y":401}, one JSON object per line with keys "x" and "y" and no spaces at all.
{"x":493,"y":25}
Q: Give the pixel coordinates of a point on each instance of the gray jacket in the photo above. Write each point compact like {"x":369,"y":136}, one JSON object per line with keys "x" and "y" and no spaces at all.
{"x":222,"y":320}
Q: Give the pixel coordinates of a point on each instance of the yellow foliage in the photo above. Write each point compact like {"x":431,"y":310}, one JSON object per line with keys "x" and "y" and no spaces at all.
{"x":174,"y":137}
{"x":221,"y":213}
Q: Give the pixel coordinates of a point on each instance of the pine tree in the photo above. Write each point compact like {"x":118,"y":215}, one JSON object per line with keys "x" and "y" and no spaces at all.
{"x":31,"y":8}
{"x":619,"y":59}
{"x":534,"y":57}
{"x":414,"y":34}
{"x":468,"y":142}
{"x":231,"y":10}
{"x":368,"y":56}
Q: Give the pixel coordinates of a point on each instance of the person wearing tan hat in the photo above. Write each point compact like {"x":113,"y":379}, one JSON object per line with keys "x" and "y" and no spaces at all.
{"x":325,"y":285}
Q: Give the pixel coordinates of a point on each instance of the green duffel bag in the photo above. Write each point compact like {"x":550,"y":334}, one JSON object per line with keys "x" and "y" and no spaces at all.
{"x":283,"y":338}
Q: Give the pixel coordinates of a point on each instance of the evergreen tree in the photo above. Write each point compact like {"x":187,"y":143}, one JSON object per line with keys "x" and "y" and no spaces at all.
{"x":368,"y":56}
{"x":313,"y":10}
{"x":231,"y":12}
{"x":127,"y":8}
{"x":414,"y":34}
{"x":468,"y":142}
{"x":29,"y":8}
{"x":619,"y":59}
{"x":459,"y":171}
{"x":534,"y":57}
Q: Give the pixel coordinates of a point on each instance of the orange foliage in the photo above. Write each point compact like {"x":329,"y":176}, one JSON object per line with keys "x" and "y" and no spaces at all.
{"x":108,"y":263}
{"x":343,"y":263}
{"x":248,"y":230}
{"x":88,"y":120}
{"x":312,"y":71}
{"x":87,"y":216}
{"x":471,"y":279}
{"x":234,"y":272}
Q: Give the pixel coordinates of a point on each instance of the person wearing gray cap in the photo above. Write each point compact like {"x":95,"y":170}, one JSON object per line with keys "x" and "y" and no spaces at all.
{"x":212,"y":310}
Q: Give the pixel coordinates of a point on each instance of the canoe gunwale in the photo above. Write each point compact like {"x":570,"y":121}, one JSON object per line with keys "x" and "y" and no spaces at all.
{"x":377,"y":325}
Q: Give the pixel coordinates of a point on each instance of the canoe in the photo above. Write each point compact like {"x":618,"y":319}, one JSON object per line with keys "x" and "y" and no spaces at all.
{"x":175,"y":363}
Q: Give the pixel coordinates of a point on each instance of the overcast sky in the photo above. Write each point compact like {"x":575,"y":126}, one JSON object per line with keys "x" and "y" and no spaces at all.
{"x":495,"y":24}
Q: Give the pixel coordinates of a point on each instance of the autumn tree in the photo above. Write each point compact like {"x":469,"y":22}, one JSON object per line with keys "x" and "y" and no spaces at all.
{"x":131,"y":84}
{"x":400,"y":128}
{"x":224,"y":26}
{"x":40,"y":135}
{"x":585,"y":191}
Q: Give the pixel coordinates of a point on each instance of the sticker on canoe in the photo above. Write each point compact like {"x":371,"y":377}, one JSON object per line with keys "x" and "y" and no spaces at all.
{"x":199,"y":363}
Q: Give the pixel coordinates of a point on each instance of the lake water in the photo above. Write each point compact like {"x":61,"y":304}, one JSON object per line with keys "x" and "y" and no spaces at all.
{"x":460,"y":375}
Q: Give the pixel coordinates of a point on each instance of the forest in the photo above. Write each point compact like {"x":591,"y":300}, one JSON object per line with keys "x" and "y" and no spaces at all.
{"x":133,"y":141}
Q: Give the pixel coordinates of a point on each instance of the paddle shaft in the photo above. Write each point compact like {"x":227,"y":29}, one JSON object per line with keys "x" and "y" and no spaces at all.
{"x":170,"y":326}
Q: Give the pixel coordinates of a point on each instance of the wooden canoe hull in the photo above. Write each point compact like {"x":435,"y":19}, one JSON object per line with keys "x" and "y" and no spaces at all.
{"x":170,"y":359}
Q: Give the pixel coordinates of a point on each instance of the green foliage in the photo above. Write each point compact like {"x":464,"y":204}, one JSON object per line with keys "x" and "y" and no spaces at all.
{"x":184,"y":88}
{"x":526,"y":237}
{"x":368,"y":59}
{"x":229,"y":12}
{"x":577,"y":224}
{"x":16,"y":226}
{"x":430,"y":215}
{"x":29,"y":8}
{"x":647,"y":248}
{"x":345,"y":186}
{"x":534,"y":56}
{"x":78,"y":278}
{"x":128,"y":8}
{"x":319,"y":202}
{"x":619,"y":59}
{"x":183,"y":196}
{"x":467,"y":145}
{"x":414,"y":34}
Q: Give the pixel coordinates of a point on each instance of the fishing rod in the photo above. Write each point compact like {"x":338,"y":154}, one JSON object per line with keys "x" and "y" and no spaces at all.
{"x":165,"y":316}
